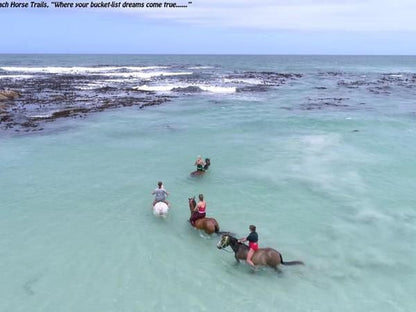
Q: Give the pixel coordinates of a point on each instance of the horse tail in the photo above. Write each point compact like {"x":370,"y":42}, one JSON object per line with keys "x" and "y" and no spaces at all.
{"x":217,"y":228}
{"x":289,"y":262}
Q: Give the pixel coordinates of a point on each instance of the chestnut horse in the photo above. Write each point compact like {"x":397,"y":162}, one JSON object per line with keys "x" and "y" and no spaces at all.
{"x":263,"y":256}
{"x":209,"y":225}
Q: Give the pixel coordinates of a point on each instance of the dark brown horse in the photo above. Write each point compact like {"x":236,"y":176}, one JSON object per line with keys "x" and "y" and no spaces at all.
{"x":205,"y":168}
{"x":263,"y":256}
{"x":209,"y":225}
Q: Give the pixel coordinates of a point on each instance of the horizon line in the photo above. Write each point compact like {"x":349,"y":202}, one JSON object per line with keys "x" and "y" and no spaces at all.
{"x":201,"y":54}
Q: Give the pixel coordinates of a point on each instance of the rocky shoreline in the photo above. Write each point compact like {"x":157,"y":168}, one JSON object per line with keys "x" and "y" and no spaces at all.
{"x":26,"y":105}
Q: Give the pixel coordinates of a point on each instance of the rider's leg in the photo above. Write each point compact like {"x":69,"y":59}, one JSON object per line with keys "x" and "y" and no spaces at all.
{"x":249,"y":256}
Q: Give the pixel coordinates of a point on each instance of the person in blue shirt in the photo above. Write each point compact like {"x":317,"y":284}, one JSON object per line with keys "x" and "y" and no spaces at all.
{"x":160,"y":194}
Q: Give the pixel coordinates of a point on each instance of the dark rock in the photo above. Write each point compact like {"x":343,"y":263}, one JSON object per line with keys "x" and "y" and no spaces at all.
{"x":255,"y":88}
{"x":189,"y":89}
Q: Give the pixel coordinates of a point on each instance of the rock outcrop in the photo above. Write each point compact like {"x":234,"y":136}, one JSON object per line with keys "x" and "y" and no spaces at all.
{"x":6,"y":95}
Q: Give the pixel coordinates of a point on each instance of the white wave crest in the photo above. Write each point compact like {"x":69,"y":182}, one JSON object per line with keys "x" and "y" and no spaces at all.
{"x":216,"y":89}
{"x":146,"y":75}
{"x":147,"y":71}
{"x":16,"y":76}
{"x":60,"y":70}
{"x":40,"y":116}
{"x":154,"y":88}
{"x":200,"y":67}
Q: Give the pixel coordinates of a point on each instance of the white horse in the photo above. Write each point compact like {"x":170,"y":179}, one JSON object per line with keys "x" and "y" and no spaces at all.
{"x":160,"y":209}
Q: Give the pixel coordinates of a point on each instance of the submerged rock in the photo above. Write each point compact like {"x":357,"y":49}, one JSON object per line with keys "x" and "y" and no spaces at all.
{"x":189,"y":89}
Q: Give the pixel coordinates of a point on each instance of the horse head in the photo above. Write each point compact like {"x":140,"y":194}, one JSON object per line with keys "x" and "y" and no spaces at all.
{"x":207,"y":163}
{"x":192,"y":203}
{"x":224,"y":241}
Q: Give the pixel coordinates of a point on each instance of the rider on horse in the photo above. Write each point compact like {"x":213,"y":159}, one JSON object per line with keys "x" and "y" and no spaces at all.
{"x":252,"y":239}
{"x":199,"y":163}
{"x":199,"y":211}
{"x":160,"y":194}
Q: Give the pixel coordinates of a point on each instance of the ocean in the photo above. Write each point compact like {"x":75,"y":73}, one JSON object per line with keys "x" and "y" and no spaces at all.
{"x":316,"y":151}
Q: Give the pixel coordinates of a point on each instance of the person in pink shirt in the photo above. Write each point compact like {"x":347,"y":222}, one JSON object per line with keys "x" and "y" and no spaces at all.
{"x":200,"y":210}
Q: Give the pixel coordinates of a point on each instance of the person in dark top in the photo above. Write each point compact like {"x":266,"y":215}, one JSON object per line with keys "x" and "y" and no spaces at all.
{"x":199,"y":163}
{"x":252,"y":239}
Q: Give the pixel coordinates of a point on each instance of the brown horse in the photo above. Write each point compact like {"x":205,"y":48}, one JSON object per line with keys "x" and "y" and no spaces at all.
{"x":263,"y":256}
{"x":209,"y":225}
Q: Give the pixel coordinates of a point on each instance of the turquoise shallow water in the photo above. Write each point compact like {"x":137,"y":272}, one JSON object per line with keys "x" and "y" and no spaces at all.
{"x":330,"y":187}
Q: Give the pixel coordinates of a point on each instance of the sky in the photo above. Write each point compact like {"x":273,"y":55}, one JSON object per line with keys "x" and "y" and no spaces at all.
{"x":357,"y":27}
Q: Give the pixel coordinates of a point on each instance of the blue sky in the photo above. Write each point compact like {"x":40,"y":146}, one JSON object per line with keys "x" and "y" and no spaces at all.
{"x":217,"y":27}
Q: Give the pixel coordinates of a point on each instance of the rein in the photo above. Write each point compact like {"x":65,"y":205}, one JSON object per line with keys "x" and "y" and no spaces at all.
{"x":192,"y":204}
{"x":226,"y":250}
{"x":228,"y":245}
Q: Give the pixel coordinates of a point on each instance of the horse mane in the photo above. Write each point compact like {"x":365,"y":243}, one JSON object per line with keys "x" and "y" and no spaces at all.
{"x":235,"y":240}
{"x":192,"y":199}
{"x":192,"y":203}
